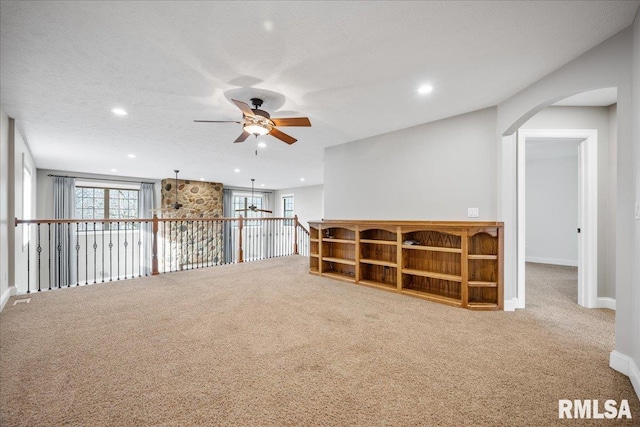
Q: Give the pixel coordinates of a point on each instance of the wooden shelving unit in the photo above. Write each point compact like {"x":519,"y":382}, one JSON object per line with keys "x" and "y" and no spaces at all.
{"x":454,"y":263}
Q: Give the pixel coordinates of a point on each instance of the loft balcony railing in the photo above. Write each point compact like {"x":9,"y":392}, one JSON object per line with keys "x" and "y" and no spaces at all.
{"x":65,"y":253}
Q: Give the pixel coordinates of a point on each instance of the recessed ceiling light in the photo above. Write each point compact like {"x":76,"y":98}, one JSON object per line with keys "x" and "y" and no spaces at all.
{"x":425,"y":89}
{"x":268,"y":25}
{"x":201,"y":179}
{"x":236,"y":170}
{"x":119,"y":112}
{"x":131,"y":156}
{"x":114,"y":170}
{"x":262,"y":144}
{"x":301,"y":179}
{"x":261,"y":185}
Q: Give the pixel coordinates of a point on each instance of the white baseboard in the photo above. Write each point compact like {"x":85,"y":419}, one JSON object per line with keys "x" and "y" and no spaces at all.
{"x":8,"y":293}
{"x":511,"y":304}
{"x":627,"y":366}
{"x":606,"y":302}
{"x":554,"y":261}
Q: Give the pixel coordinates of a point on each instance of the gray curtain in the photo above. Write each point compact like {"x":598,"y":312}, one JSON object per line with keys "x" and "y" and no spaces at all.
{"x":145,"y":204}
{"x":227,"y":232}
{"x":267,"y":201}
{"x":65,"y":260}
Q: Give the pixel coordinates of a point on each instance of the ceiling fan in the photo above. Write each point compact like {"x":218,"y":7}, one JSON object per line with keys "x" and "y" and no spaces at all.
{"x":253,"y":208}
{"x":174,"y":206}
{"x":258,"y":122}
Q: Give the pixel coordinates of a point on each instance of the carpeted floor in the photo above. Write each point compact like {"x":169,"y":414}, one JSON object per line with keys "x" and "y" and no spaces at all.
{"x":265,"y":343}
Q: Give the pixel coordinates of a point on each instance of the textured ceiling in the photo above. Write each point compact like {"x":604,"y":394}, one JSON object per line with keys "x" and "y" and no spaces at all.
{"x":352,"y":67}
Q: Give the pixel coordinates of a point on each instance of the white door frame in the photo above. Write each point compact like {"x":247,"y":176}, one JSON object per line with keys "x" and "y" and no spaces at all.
{"x":587,"y":208}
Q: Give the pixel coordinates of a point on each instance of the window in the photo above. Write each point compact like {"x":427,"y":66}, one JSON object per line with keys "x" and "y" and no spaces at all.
{"x":287,"y":208}
{"x":243,"y":201}
{"x":105,"y":203}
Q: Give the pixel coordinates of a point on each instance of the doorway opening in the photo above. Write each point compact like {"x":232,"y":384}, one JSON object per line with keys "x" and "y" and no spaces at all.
{"x":587,"y":224}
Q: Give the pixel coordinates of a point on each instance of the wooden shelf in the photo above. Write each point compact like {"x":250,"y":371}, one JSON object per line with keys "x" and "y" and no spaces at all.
{"x":475,"y":256}
{"x":436,"y":298}
{"x":339,"y":276}
{"x":432,"y":275}
{"x":379,"y":242}
{"x":454,"y":263}
{"x":379,"y":285}
{"x":432,"y":248}
{"x":476,"y":284}
{"x":332,"y":240}
{"x":379,"y":262}
{"x":339,"y":260}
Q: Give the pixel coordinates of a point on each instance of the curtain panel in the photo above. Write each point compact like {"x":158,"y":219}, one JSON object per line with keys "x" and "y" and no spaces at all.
{"x":65,"y":259}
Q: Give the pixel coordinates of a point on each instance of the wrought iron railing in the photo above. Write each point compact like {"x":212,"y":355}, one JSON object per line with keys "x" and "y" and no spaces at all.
{"x":65,"y":253}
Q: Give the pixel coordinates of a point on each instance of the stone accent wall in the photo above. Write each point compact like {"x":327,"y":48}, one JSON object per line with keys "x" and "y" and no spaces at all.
{"x":191,"y":243}
{"x":199,"y":199}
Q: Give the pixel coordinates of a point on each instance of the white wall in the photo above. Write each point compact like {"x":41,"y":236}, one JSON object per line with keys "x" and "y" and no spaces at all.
{"x":598,"y":118}
{"x":606,"y":65}
{"x":22,"y":253}
{"x":434,"y":171}
{"x":307,"y":203}
{"x":552,"y":202}
{"x":4,"y":208}
{"x":635,"y":254}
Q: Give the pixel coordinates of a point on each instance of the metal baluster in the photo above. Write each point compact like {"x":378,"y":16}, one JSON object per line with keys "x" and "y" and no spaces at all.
{"x":118,"y":248}
{"x":140,"y":250}
{"x":95,"y":255}
{"x":164,"y":241}
{"x":102,"y":251}
{"x":86,"y":253}
{"x":49,"y":250}
{"x":170,"y":250}
{"x":125,"y":249}
{"x":39,"y":250}
{"x":77,"y":254}
{"x":28,"y":257}
{"x":110,"y":252}
{"x":59,"y":249}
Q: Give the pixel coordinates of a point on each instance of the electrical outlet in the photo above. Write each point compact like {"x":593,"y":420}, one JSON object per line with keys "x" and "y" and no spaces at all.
{"x":638,"y":210}
{"x":472,"y":213}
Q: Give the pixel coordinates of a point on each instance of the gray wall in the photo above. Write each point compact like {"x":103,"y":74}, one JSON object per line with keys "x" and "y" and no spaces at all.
{"x":598,"y":118}
{"x":434,"y":171}
{"x":613,"y":63}
{"x":635,"y":254}
{"x":552,"y":202}
{"x":307,"y":203}
{"x":4,"y":208}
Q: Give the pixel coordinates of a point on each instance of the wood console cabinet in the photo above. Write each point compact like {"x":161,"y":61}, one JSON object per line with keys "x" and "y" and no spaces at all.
{"x":457,"y":263}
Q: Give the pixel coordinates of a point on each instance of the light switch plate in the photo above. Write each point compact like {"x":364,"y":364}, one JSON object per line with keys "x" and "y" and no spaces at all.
{"x":637,"y":210}
{"x":472,"y":212}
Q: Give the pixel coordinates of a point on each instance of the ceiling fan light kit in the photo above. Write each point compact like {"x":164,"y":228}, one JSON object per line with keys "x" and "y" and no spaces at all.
{"x":256,"y":121}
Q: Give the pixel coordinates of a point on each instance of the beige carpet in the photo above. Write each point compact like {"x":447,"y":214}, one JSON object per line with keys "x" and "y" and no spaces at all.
{"x":265,"y":343}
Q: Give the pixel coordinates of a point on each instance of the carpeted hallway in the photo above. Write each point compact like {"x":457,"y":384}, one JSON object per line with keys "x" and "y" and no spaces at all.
{"x":265,"y":343}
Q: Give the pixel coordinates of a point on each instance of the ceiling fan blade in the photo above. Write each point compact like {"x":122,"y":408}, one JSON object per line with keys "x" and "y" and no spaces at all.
{"x":263,"y":210}
{"x":282,"y":136}
{"x":246,"y":110}
{"x":292,"y":121}
{"x":217,"y":121}
{"x":244,"y":135}
{"x":242,"y":210}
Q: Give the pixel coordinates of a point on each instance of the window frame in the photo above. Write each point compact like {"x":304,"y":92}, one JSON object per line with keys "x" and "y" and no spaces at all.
{"x":106,"y":209}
